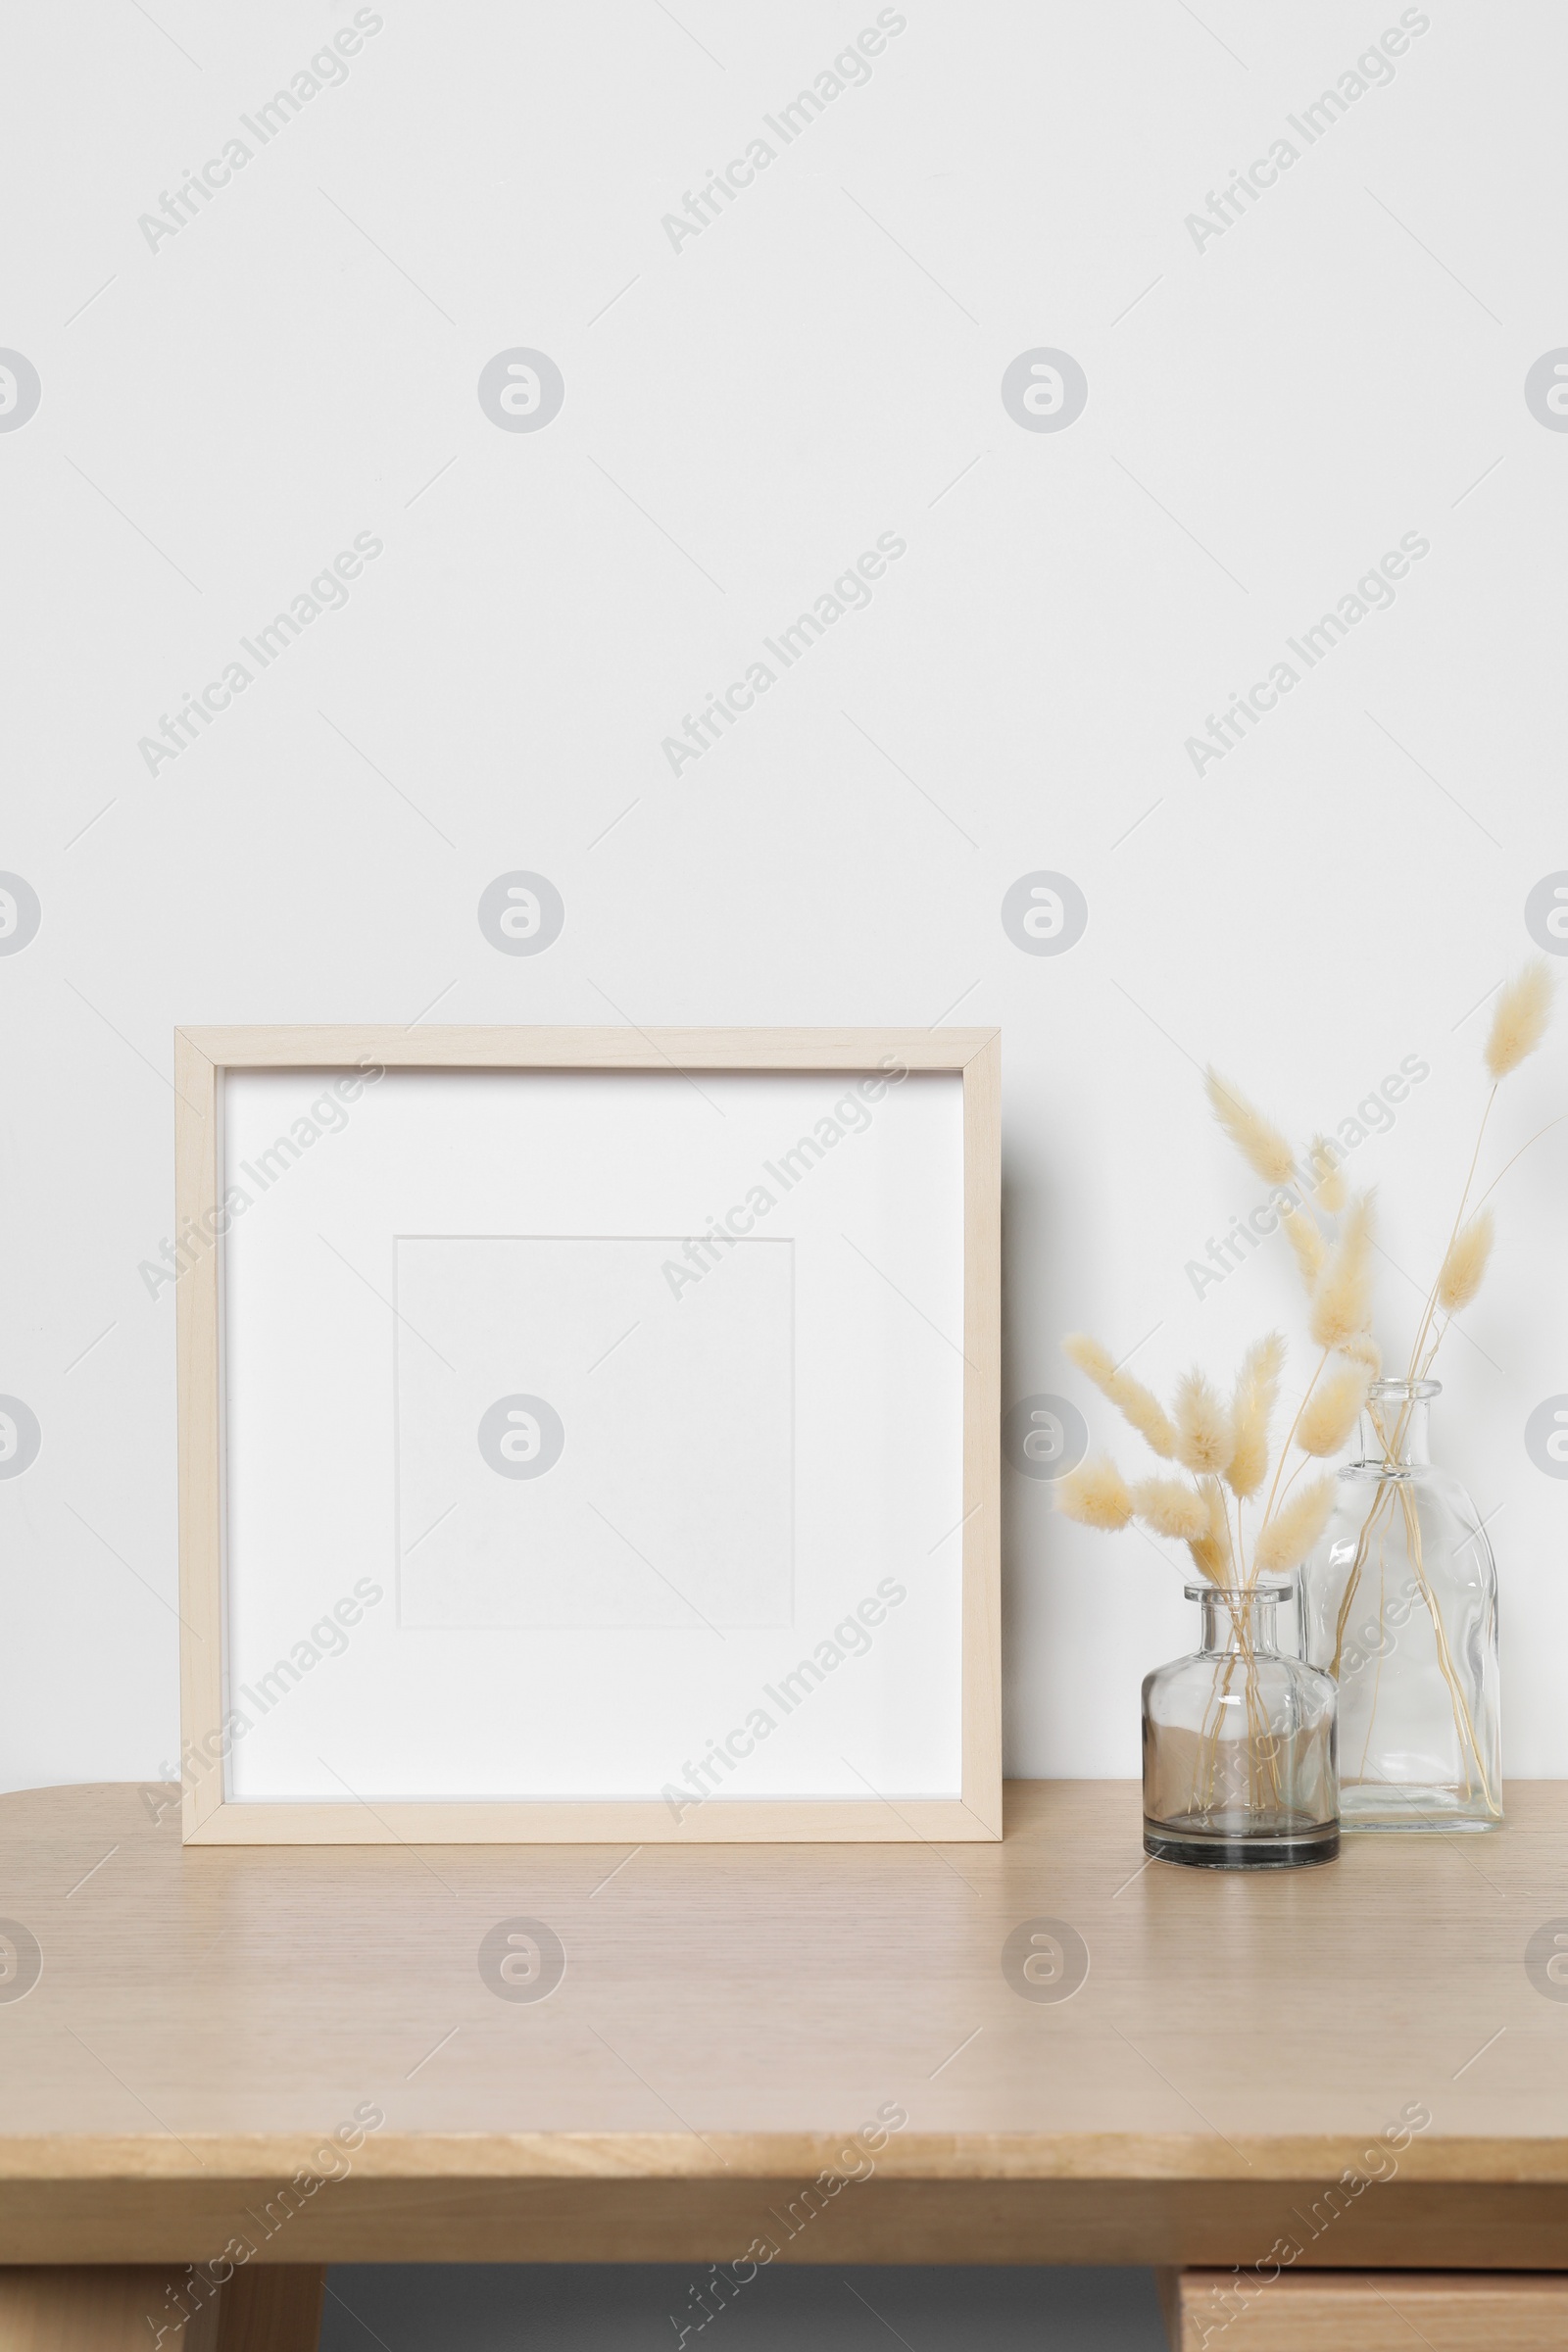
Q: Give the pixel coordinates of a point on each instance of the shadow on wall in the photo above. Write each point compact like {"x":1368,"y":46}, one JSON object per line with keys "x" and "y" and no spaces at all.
{"x":641,"y":2307}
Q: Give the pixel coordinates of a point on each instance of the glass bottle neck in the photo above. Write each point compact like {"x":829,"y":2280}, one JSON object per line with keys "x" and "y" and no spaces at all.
{"x":1393,"y":1432}
{"x":1238,"y":1624}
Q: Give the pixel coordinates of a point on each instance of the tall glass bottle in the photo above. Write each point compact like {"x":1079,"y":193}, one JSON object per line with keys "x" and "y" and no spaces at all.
{"x":1400,"y":1603}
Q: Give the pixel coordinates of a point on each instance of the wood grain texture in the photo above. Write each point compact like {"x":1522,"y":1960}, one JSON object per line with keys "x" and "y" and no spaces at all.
{"x":107,"y":2307}
{"x":1367,"y":2310}
{"x":981,"y":1532}
{"x":272,"y":2309}
{"x":730,"y":2018}
{"x":198,"y":1144}
{"x":499,"y":1047}
{"x":202,"y":1057}
{"x":626,"y":1820}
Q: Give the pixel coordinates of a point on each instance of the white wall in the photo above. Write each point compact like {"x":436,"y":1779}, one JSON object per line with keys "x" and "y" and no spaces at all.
{"x":1268,"y":413}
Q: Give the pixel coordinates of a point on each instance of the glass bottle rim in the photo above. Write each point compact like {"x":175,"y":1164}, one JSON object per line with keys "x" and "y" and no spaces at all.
{"x":1383,"y":1391}
{"x":1237,"y":1594}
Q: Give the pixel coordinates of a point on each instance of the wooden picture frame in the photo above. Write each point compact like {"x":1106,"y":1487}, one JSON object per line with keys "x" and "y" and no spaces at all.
{"x":206,"y":1058}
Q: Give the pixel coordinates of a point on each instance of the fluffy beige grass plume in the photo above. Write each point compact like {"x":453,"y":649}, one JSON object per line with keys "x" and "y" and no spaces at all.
{"x":1096,"y":1494}
{"x":1294,"y":1530}
{"x":1135,"y":1404}
{"x":1206,"y":1439}
{"x":1341,"y":1299}
{"x":1258,"y":1384}
{"x":1520,"y":1021}
{"x":1460,"y":1275}
{"x":1333,"y":1410}
{"x":1211,"y":1551}
{"x":1260,"y":1143}
{"x":1172,"y":1507}
{"x":1329,"y":1188}
{"x":1305,"y":1238}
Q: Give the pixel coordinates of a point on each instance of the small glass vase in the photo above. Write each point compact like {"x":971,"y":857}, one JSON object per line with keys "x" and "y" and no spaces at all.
{"x":1399,"y":1605}
{"x":1239,"y":1764}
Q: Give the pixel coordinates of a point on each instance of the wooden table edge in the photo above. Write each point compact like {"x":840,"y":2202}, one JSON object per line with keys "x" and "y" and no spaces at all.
{"x":584,"y":2156}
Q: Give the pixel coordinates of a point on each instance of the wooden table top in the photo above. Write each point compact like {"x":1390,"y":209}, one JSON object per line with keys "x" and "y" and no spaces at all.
{"x":206,"y":2018}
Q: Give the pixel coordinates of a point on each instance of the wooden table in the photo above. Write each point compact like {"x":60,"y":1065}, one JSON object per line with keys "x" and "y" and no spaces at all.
{"x":735,"y":2022}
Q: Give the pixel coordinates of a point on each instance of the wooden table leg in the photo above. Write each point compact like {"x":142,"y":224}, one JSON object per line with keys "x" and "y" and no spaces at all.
{"x":270,"y":2307}
{"x":115,"y":2307}
{"x":1366,"y":2311}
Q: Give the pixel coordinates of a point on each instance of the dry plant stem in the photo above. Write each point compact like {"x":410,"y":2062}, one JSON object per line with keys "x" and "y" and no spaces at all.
{"x":1205,"y":1767}
{"x":1295,"y":1474}
{"x":1463,"y":1721}
{"x":1206,"y":1760}
{"x":1207,"y":1763}
{"x":1377,"y":1679}
{"x":1393,"y":1443}
{"x":1431,"y":1307}
{"x":1289,"y":1438}
{"x":1464,"y":1724}
{"x":1519,"y":1155}
{"x":1354,"y":1578}
{"x":1419,"y":1369}
{"x":1249,"y":1579}
{"x":1431,"y":1303}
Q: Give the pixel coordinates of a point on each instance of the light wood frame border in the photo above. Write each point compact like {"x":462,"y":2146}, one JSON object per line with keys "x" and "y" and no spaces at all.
{"x":202,"y":1058}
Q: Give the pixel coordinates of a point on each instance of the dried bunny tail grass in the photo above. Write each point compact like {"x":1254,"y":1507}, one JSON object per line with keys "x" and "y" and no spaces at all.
{"x":1257,"y":1387}
{"x":1294,"y":1530}
{"x":1261,"y":1145}
{"x":1329,"y":1188}
{"x":1465,"y":1263}
{"x":1520,"y":1021}
{"x":1341,"y":1302}
{"x":1362,"y":1348}
{"x":1135,"y":1404}
{"x":1333,"y":1410}
{"x":1211,"y":1551}
{"x":1172,"y":1507}
{"x":1096,"y":1494}
{"x":1307,"y":1240}
{"x":1206,"y":1439}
